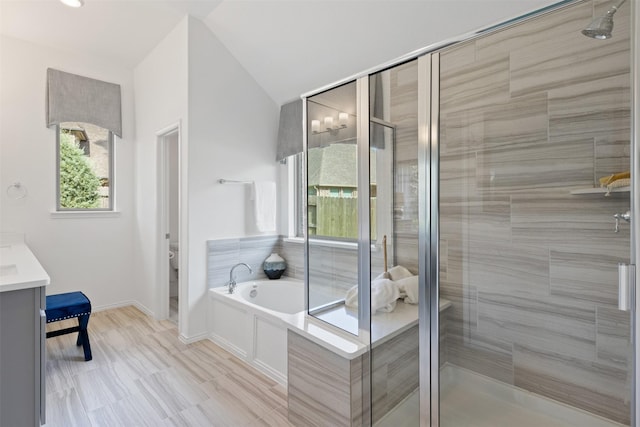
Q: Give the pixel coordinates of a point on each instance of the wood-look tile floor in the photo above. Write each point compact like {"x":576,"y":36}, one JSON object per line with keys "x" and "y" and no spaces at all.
{"x":143,"y":375}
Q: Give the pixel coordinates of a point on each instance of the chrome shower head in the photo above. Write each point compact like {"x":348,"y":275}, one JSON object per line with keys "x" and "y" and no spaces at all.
{"x":601,"y":27}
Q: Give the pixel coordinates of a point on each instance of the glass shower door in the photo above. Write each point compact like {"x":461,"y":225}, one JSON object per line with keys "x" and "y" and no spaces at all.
{"x":534,"y":146}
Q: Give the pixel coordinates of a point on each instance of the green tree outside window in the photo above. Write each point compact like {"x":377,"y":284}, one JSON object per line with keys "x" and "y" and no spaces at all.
{"x":78,"y":182}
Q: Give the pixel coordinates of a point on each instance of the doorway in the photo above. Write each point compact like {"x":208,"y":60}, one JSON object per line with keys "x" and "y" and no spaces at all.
{"x":169,"y":223}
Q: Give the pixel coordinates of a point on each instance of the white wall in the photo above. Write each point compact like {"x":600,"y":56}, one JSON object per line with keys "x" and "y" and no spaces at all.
{"x":229,"y":127}
{"x":232,"y":135}
{"x":160,"y":82}
{"x":88,"y":254}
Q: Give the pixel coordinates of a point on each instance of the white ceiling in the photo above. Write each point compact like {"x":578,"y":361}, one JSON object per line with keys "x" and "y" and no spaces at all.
{"x":289,"y":47}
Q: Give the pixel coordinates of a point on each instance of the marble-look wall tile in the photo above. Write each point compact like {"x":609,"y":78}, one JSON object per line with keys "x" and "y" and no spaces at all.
{"x":526,"y":264}
{"x":596,"y":108}
{"x":559,"y":218}
{"x":560,"y":326}
{"x":508,"y":268}
{"x":254,"y":250}
{"x":225,"y":253}
{"x":221,"y":256}
{"x":550,"y":63}
{"x":458,"y":175}
{"x":613,"y":337}
{"x":588,"y":385}
{"x":484,"y":83}
{"x":536,"y":165}
{"x":406,"y":252}
{"x":463,"y":130}
{"x":585,"y":276}
{"x":459,"y":56}
{"x":293,"y":253}
{"x":555,"y":26}
{"x":612,"y":154}
{"x":395,"y":371}
{"x":487,"y":218}
{"x":473,"y":354}
{"x":320,"y":387}
{"x":518,"y":121}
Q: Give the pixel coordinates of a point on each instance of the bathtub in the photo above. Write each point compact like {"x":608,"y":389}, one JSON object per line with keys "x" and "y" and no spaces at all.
{"x":252,"y":322}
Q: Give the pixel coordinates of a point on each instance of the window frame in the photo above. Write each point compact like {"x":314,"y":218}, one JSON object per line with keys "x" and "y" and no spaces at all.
{"x":111,"y":149}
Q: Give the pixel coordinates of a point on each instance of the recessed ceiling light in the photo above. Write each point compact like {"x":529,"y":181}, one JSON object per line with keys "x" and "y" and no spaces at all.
{"x":73,"y":3}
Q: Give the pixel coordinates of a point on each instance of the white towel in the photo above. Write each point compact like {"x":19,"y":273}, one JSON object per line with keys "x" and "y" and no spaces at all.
{"x":408,"y":288}
{"x":384,"y":294}
{"x":263,"y":195}
{"x":399,"y":272}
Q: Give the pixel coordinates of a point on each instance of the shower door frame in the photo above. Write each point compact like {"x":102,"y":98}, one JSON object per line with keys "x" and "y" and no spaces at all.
{"x":635,"y":208}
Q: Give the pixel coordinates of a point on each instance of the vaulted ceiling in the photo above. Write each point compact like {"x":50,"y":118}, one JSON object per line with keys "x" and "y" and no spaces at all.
{"x":288,"y":46}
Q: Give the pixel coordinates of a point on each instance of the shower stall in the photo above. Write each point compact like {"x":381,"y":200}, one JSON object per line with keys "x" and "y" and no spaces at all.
{"x":499,"y":171}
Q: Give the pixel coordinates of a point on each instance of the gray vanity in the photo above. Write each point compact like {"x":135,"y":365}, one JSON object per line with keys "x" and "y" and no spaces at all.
{"x":22,"y":335}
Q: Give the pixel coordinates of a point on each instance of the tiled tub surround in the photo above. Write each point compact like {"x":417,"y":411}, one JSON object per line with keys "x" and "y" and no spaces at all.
{"x":334,"y":270}
{"x":225,"y":253}
{"x":325,"y":386}
{"x":528,"y":115}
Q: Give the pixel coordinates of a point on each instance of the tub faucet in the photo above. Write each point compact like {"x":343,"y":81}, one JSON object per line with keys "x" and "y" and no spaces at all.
{"x":232,"y":279}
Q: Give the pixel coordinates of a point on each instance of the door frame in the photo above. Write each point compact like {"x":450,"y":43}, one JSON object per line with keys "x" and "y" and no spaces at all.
{"x":635,"y":209}
{"x":162,"y":250}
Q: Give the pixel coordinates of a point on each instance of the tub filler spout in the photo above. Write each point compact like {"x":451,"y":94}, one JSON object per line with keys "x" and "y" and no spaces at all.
{"x":232,"y":279}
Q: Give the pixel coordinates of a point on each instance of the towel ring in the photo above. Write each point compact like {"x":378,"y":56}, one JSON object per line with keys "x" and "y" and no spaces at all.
{"x":16,"y":191}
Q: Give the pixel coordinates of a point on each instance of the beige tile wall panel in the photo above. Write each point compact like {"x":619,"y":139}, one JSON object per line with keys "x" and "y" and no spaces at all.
{"x":395,"y":370}
{"x":596,"y":108}
{"x":555,"y":26}
{"x":612,"y":337}
{"x":588,"y":385}
{"x":320,"y":389}
{"x":585,"y":276}
{"x":529,"y":267}
{"x":612,"y":153}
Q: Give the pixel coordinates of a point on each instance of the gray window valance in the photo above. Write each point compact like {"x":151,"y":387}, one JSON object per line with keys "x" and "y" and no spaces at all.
{"x":73,"y":98}
{"x":290,"y":140}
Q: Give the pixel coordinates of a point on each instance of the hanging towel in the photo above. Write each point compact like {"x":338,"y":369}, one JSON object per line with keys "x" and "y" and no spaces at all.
{"x":263,"y":195}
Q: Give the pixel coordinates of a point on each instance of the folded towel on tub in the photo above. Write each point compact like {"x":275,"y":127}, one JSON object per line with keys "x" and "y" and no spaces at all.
{"x":384,"y":293}
{"x":408,"y":288}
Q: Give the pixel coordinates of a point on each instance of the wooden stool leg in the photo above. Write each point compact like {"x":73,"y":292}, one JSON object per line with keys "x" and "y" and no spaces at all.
{"x":83,"y":336}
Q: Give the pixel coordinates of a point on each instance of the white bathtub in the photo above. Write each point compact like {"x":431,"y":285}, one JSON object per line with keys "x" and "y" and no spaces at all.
{"x":252,"y":322}
{"x":281,"y":296}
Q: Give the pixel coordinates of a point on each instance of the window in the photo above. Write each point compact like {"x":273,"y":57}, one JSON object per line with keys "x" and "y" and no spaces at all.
{"x":84,"y":167}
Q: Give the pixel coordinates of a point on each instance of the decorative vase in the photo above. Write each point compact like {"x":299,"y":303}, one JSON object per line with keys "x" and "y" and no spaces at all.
{"x":274,"y":266}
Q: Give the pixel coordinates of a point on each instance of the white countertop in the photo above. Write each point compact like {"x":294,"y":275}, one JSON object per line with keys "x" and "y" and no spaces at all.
{"x":384,"y":326}
{"x":19,"y":268}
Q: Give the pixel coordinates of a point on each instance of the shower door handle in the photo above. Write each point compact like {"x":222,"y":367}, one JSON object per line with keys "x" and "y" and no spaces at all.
{"x":626,"y":281}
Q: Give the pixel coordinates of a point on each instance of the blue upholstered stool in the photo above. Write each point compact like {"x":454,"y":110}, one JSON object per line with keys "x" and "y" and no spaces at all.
{"x":68,"y":306}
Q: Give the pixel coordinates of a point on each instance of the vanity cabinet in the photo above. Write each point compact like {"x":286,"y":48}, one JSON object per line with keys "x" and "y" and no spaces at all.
{"x":22,"y":337}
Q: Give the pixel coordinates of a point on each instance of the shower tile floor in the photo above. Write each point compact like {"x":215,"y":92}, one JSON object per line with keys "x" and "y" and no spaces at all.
{"x":472,"y":400}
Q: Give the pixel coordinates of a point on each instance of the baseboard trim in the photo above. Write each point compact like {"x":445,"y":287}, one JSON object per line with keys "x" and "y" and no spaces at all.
{"x":126,"y":303}
{"x":235,"y":350}
{"x":190,"y":340}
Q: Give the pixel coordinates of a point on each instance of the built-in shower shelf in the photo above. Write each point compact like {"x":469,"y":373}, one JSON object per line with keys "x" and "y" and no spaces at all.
{"x":599,"y":190}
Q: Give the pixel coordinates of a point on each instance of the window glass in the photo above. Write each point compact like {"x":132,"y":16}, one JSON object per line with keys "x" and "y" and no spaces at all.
{"x":85,"y":167}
